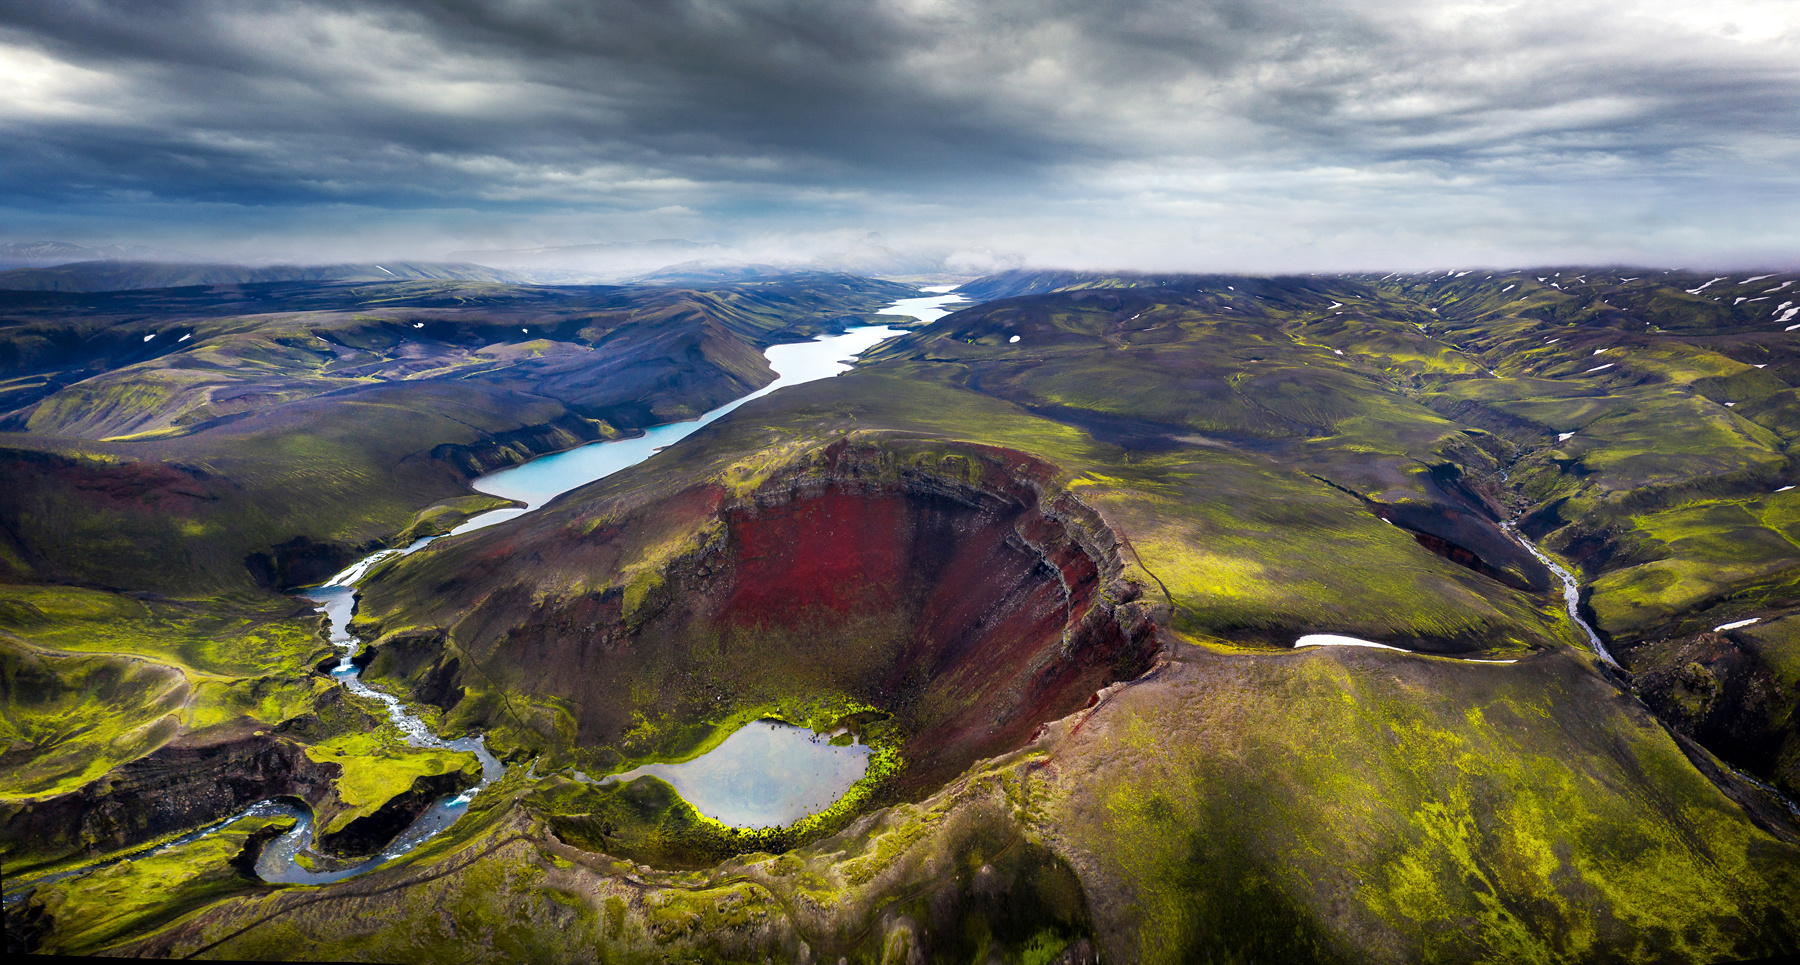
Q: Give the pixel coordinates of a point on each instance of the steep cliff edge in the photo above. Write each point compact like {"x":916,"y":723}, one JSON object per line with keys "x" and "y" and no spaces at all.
{"x":957,"y":591}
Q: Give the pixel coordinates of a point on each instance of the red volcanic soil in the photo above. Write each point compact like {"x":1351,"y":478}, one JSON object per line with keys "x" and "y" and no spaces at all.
{"x":968,"y":604}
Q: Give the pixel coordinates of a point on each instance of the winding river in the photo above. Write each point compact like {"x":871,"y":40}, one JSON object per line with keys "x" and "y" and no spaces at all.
{"x":1571,"y":593}
{"x":534,"y":483}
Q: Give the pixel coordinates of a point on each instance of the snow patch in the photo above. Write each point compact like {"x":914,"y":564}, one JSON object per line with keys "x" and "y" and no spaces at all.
{"x":1015,"y":338}
{"x":1754,"y":278}
{"x":1784,"y":489}
{"x":418,"y":325}
{"x":185,"y":337}
{"x":1334,"y":305}
{"x":1721,"y":628}
{"x":1696,"y":291}
{"x":1564,"y":436}
{"x":1598,"y":368}
{"x":1338,"y":640}
{"x":1507,"y":289}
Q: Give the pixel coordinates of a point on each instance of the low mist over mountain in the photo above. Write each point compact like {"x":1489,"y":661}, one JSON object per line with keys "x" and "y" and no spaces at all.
{"x":103,"y":276}
{"x":674,"y":260}
{"x":42,"y":254}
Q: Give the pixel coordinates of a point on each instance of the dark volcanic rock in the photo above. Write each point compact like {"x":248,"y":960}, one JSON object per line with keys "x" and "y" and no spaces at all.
{"x":178,"y":787}
{"x":371,"y":832}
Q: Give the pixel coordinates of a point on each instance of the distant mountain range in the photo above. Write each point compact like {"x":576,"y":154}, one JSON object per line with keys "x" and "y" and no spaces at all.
{"x":42,"y":254}
{"x":99,"y":276}
{"x":678,"y":260}
{"x":60,"y":266}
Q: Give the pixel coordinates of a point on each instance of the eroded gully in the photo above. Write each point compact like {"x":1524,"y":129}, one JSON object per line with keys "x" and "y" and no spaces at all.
{"x":533,"y":483}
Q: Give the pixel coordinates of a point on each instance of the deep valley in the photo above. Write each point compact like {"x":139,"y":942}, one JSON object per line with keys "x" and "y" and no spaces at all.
{"x":1042,"y":561}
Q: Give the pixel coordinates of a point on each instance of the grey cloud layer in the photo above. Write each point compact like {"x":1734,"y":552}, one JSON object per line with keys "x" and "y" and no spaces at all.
{"x":1123,"y":119}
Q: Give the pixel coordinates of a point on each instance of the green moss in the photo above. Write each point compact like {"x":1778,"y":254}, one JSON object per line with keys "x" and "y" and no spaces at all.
{"x":235,"y":637}
{"x":67,"y":719}
{"x":1364,"y":795}
{"x":132,"y":897}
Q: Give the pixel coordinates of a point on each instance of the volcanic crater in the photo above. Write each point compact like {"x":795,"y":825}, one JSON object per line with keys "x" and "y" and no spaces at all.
{"x":957,"y":591}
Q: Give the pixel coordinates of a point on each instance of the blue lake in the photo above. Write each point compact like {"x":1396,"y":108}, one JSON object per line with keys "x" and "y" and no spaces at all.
{"x":768,"y":774}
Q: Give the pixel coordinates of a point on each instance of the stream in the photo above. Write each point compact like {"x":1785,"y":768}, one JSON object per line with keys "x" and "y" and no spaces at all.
{"x":533,"y":483}
{"x":1571,"y":593}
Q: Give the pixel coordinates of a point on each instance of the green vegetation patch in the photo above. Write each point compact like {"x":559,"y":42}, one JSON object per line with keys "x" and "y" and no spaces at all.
{"x":67,"y":719}
{"x":92,"y":911}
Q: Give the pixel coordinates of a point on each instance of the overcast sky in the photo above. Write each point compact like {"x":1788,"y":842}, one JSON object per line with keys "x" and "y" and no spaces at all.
{"x":1202,"y":134}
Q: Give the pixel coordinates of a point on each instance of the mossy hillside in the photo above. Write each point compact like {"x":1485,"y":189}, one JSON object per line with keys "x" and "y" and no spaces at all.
{"x":701,"y":651}
{"x":1702,"y":559}
{"x":92,"y":911}
{"x":440,"y":518}
{"x":1206,"y":517}
{"x":1325,"y":806}
{"x":958,"y":877}
{"x":134,"y":675}
{"x":647,"y":821}
{"x":256,"y":430}
{"x":1652,"y":493}
{"x":244,"y":636}
{"x":378,"y":767}
{"x":1123,"y":465}
{"x":1361,"y":806}
{"x":67,"y":719}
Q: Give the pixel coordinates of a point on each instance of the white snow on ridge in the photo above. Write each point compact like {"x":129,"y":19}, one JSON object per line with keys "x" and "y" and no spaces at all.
{"x":1696,"y":291}
{"x":1598,"y":351}
{"x":1784,"y":489}
{"x":149,"y":336}
{"x":1334,"y":305}
{"x":1778,"y":288}
{"x":1013,"y":339}
{"x":1564,"y":436}
{"x":1754,"y":278}
{"x":185,"y":337}
{"x":1721,"y":628}
{"x":1339,"y":640}
{"x":1599,"y":367}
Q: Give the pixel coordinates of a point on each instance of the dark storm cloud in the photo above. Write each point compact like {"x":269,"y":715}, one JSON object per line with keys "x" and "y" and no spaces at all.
{"x":1127,"y":122}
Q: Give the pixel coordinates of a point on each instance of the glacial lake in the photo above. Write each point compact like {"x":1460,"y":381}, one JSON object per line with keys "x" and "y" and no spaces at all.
{"x":546,"y":477}
{"x":768,"y":774}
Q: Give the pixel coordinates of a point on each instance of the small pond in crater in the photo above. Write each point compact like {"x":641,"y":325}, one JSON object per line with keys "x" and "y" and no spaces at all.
{"x":768,"y":774}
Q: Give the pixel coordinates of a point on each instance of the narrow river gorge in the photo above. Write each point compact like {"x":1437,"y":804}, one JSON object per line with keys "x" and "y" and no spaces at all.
{"x":534,"y":484}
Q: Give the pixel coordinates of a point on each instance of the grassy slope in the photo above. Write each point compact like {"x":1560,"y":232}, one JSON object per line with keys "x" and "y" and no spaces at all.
{"x":351,"y":422}
{"x":1241,"y":804}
